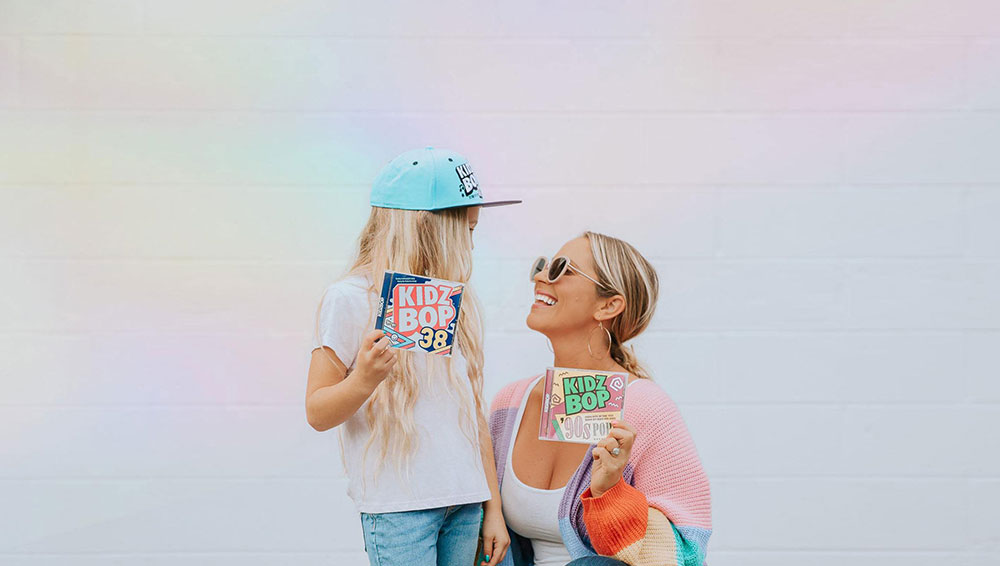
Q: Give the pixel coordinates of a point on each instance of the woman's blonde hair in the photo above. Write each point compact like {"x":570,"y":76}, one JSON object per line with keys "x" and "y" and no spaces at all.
{"x":433,"y":244}
{"x":622,"y":270}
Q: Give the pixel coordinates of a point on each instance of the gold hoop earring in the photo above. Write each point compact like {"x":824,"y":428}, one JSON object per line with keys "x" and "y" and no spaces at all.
{"x":600,"y":325}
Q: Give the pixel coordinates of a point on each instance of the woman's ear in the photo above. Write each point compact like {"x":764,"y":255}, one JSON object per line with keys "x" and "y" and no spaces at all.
{"x":610,"y":308}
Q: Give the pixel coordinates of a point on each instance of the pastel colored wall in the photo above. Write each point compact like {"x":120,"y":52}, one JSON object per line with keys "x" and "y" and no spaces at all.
{"x":817,"y":182}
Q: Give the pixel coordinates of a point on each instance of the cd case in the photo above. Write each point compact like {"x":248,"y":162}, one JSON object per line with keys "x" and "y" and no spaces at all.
{"x":579,"y":405}
{"x":419,"y":313}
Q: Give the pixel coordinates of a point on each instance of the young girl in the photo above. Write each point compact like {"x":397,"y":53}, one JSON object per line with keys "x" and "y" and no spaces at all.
{"x":414,"y":440}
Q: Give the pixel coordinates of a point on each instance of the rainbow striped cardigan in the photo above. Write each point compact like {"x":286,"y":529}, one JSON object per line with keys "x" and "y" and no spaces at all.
{"x":660,"y":514}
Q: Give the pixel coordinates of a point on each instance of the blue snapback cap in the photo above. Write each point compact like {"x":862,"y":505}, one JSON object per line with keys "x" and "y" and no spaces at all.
{"x":429,"y":179}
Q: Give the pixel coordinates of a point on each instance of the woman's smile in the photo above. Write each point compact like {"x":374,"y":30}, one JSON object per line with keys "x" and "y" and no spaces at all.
{"x":543,"y":300}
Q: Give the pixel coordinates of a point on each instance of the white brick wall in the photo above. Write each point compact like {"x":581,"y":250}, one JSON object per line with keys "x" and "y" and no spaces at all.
{"x":817,"y":182}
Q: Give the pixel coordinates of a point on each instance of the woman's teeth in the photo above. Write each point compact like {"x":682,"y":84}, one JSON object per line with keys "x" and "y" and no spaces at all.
{"x":547,"y":300}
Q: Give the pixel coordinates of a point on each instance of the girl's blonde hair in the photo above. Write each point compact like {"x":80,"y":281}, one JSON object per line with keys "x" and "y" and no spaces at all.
{"x":433,"y":244}
{"x":622,"y":270}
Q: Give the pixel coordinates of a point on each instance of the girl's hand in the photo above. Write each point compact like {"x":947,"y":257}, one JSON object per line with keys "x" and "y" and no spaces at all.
{"x":375,"y":359}
{"x":607,"y":469}
{"x":496,"y":539}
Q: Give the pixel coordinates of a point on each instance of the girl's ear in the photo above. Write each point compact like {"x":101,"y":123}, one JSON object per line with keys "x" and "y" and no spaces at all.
{"x":610,"y":308}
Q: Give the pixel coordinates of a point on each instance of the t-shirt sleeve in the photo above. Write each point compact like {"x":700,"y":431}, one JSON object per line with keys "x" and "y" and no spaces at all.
{"x":340,"y":324}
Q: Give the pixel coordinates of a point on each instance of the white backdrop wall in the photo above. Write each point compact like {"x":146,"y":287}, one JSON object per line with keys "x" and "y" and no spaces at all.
{"x":818,"y":184}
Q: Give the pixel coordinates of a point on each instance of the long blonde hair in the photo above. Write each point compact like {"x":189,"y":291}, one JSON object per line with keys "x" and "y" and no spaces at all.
{"x":621,"y":269}
{"x":433,"y":244}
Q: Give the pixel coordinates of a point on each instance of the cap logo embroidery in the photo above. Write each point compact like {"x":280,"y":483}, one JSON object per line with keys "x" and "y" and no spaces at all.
{"x":470,"y":186}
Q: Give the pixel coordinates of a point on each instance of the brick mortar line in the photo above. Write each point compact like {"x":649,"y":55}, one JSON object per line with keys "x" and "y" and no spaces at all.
{"x":342,"y":553}
{"x":570,"y":186}
{"x":697,"y":333}
{"x":648,"y":37}
{"x":791,"y":260}
{"x":179,"y":330}
{"x":339,"y":479}
{"x":638,"y":113}
{"x":847,"y":260}
{"x":846,"y":405}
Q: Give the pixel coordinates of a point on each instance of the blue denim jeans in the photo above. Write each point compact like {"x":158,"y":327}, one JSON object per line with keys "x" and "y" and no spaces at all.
{"x":445,"y":536}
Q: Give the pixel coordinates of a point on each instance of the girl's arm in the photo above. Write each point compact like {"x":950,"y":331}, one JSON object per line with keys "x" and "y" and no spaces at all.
{"x":333,"y":395}
{"x":495,"y":536}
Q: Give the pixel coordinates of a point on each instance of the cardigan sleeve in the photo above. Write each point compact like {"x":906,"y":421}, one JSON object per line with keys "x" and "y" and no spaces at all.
{"x":623,"y":526}
{"x":662,"y":516}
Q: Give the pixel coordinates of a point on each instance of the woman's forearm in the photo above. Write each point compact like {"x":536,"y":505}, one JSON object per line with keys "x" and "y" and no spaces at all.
{"x":617,"y":522}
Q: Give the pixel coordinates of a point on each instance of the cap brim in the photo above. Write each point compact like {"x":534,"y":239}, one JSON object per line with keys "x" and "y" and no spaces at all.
{"x":499,"y":203}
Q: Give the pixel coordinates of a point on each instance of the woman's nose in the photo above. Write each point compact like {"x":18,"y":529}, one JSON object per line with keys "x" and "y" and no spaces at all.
{"x":540,"y":277}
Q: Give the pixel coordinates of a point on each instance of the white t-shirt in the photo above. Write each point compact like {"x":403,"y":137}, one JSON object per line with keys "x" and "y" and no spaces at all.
{"x":446,"y":469}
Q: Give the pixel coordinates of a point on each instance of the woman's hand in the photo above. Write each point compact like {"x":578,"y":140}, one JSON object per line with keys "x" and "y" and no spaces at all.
{"x":496,"y":539}
{"x":375,"y":359}
{"x":607,"y":469}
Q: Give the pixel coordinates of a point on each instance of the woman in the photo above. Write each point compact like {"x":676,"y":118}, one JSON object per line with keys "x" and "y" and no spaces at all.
{"x":640,"y":496}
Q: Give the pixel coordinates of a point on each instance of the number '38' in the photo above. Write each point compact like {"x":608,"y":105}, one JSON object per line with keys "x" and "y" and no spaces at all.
{"x":438,"y":339}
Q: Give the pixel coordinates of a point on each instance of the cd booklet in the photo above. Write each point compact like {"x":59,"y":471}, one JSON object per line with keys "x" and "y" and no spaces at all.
{"x":579,"y":405}
{"x":419,"y":313}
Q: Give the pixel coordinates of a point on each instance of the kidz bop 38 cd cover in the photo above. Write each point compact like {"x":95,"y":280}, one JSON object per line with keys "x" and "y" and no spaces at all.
{"x":419,"y":313}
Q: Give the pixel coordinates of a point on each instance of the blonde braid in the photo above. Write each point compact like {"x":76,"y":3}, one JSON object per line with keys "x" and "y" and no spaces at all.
{"x":622,"y":270}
